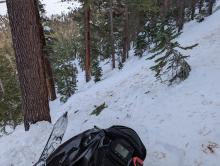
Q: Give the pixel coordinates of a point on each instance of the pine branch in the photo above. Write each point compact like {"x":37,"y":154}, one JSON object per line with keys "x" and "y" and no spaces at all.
{"x":158,"y":53}
{"x":187,"y":48}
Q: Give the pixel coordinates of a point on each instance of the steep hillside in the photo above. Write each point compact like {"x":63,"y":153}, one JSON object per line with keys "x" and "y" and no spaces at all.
{"x":179,"y":124}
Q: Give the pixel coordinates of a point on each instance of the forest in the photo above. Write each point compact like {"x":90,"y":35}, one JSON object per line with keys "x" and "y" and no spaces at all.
{"x":151,"y":65}
{"x":99,"y":31}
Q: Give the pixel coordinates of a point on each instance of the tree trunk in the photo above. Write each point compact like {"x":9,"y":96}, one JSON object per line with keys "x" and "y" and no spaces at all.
{"x":26,"y":37}
{"x":48,"y":69}
{"x":181,"y":14}
{"x":88,"y":41}
{"x":49,"y":79}
{"x":211,"y":3}
{"x":112,"y":35}
{"x":193,"y":8}
{"x":125,"y":37}
{"x":127,"y":31}
{"x":164,"y":7}
{"x":2,"y":89}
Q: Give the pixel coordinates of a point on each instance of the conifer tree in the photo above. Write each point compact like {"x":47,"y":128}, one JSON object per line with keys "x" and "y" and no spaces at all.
{"x":141,"y":44}
{"x":26,"y":35}
{"x":10,"y":96}
{"x":111,"y":33}
{"x":171,"y":65}
{"x":87,"y":10}
{"x":63,"y":59}
{"x":96,"y":71}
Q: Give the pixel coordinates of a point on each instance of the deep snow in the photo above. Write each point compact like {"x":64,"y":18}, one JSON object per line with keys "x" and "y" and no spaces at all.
{"x":179,"y":124}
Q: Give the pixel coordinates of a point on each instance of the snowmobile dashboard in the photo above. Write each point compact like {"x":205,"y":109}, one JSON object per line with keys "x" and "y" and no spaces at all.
{"x":122,"y":149}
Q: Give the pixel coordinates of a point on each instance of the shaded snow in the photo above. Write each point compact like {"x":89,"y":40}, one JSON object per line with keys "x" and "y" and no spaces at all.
{"x":22,"y":148}
{"x":177,"y":124}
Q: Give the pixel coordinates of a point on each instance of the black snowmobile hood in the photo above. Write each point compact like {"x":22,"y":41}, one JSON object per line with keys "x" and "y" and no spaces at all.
{"x":81,"y":150}
{"x":69,"y":153}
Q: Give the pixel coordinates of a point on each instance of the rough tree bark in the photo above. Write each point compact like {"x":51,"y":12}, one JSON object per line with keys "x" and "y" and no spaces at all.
{"x":88,"y":41}
{"x":47,"y":66}
{"x":28,"y":47}
{"x":112,"y":35}
{"x":49,"y":79}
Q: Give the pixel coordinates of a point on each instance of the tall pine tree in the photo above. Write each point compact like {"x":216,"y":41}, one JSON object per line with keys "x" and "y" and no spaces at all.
{"x":28,"y":45}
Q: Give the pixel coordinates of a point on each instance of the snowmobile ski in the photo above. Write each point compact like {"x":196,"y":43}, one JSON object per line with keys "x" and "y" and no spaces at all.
{"x":54,"y":139}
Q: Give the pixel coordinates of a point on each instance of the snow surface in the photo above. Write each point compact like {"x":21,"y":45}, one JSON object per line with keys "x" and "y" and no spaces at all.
{"x":179,"y":125}
{"x":51,"y":6}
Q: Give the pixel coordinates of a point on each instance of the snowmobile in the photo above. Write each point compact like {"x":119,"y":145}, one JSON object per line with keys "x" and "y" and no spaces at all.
{"x":115,"y":146}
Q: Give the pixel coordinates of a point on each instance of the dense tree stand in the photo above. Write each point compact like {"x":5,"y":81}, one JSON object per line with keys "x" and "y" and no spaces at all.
{"x":26,"y":36}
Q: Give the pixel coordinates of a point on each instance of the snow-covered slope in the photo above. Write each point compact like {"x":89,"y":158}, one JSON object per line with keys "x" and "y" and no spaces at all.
{"x":179,"y":125}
